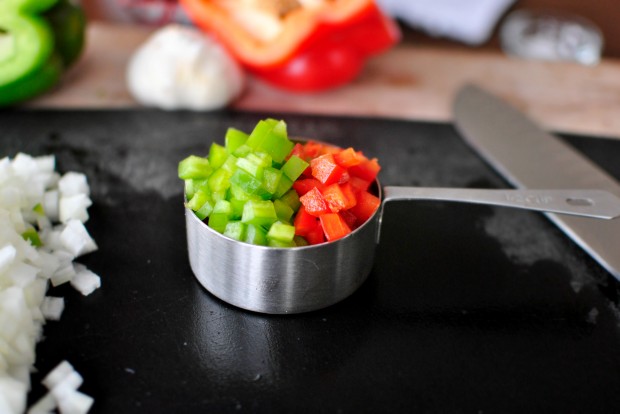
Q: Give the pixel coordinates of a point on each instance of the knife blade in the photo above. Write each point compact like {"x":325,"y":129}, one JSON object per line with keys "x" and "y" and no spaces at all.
{"x":529,"y":157}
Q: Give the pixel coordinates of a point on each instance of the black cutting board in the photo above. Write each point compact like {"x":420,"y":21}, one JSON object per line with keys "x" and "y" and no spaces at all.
{"x":468,"y":309}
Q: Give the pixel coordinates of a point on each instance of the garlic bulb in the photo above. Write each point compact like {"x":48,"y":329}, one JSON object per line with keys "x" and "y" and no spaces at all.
{"x":180,"y":67}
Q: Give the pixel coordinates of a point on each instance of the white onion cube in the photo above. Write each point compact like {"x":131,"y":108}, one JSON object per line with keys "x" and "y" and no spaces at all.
{"x":52,"y":307}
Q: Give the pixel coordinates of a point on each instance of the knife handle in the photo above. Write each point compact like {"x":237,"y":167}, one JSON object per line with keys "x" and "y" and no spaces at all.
{"x":580,"y":202}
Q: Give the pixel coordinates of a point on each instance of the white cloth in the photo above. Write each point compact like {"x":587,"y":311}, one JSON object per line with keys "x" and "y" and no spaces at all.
{"x":468,"y":21}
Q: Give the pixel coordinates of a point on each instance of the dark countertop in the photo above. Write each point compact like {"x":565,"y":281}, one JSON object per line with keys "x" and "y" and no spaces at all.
{"x":468,"y":308}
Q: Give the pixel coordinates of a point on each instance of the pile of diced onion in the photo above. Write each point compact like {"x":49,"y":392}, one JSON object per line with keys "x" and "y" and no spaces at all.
{"x":42,"y":216}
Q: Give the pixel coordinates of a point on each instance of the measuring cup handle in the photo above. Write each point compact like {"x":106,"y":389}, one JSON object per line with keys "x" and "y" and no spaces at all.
{"x":579,"y":202}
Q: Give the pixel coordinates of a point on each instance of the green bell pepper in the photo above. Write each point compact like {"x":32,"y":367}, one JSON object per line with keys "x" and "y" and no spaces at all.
{"x":39,"y":39}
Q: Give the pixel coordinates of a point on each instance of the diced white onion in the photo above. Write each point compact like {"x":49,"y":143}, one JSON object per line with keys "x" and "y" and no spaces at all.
{"x":52,"y":307}
{"x":76,"y":240}
{"x":85,"y":281}
{"x":34,"y":196}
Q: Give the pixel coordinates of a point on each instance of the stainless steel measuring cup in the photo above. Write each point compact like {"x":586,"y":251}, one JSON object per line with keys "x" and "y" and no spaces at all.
{"x":301,"y":279}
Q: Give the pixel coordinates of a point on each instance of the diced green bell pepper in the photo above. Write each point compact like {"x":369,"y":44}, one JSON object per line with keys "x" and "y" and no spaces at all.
{"x":271,"y":179}
{"x":194,"y":167}
{"x":234,"y":139}
{"x":221,"y":215}
{"x":270,"y":136}
{"x":292,"y":199}
{"x":262,"y":213}
{"x":294,"y":167}
{"x":284,"y":186}
{"x":235,"y":230}
{"x":219,"y":180}
{"x":255,"y":234}
{"x":283,"y":211}
{"x":217,"y":155}
{"x":251,"y":168}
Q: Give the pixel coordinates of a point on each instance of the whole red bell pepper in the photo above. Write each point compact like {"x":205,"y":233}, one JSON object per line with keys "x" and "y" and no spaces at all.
{"x":315,"y":48}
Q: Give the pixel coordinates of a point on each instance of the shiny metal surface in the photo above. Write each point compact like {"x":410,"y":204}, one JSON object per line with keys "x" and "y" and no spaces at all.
{"x":280,"y":280}
{"x":302,"y":279}
{"x":586,"y":203}
{"x":532,"y":158}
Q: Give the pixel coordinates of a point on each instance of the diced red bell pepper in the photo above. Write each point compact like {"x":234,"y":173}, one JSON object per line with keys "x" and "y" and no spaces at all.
{"x":358,"y":184}
{"x":325,"y":169}
{"x":314,"y":203}
{"x":312,"y":48}
{"x":348,"y":158}
{"x":334,"y":226}
{"x":366,"y":206}
{"x":349,"y":218}
{"x":316,"y":235}
{"x":303,"y":185}
{"x":366,"y":170}
{"x":312,"y":149}
{"x":304,"y":223}
{"x":339,"y":197}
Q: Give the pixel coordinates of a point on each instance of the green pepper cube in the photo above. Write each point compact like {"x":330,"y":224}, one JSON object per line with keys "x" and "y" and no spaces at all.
{"x":260,"y":158}
{"x":38,"y":208}
{"x":251,"y":168}
{"x":242,"y":151}
{"x":205,"y":210}
{"x":230,"y":165}
{"x":198,"y":199}
{"x":292,"y":199}
{"x":193,"y":186}
{"x":220,"y":216}
{"x":236,"y":192}
{"x":219,"y":195}
{"x":300,"y":241}
{"x":217,"y":155}
{"x":32,"y":236}
{"x":194,"y":167}
{"x":260,"y":131}
{"x":270,"y":136}
{"x":284,"y":185}
{"x":234,"y":139}
{"x":271,"y":179}
{"x":255,"y":234}
{"x":259,"y":212}
{"x":280,"y":243}
{"x":237,"y":208}
{"x":235,"y":230}
{"x":283,"y":211}
{"x":294,"y":167}
{"x":219,"y":180}
{"x":249,"y":184}
{"x":281,"y":231}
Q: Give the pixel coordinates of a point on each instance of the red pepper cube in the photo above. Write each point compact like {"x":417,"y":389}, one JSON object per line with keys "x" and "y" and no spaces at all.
{"x":349,"y":218}
{"x":334,"y":227}
{"x":315,"y":236}
{"x":366,"y":170}
{"x":314,"y":203}
{"x":304,"y":223}
{"x":303,"y":185}
{"x":298,"y":150}
{"x":325,"y":169}
{"x":339,"y":197}
{"x":359,"y":184}
{"x":348,"y":158}
{"x":312,"y":149}
{"x":366,"y":206}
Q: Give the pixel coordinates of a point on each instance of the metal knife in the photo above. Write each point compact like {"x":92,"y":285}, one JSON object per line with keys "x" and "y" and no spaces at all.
{"x":529,"y":157}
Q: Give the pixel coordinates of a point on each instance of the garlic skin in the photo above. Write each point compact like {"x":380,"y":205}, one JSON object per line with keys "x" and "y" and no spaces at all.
{"x":180,"y":67}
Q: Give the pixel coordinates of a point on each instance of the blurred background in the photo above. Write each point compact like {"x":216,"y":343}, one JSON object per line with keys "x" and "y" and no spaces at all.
{"x":603,"y":13}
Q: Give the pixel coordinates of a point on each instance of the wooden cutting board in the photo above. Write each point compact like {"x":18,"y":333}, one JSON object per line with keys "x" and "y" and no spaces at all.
{"x":411,"y":81}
